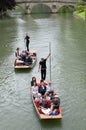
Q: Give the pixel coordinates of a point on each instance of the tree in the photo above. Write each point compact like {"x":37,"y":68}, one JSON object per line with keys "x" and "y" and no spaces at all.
{"x":7,"y":5}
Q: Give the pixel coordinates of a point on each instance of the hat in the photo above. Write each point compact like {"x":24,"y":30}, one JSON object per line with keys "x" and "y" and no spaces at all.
{"x":56,"y":96}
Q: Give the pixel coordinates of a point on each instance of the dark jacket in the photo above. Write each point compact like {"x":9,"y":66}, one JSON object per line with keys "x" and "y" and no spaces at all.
{"x":42,"y":89}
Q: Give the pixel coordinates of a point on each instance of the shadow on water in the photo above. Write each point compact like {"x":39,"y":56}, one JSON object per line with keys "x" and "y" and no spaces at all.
{"x":22,"y":70}
{"x":50,"y":124}
{"x":37,"y":16}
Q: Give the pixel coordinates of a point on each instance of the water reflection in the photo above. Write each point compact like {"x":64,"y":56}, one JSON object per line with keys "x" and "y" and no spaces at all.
{"x":51,"y":124}
{"x":22,"y":70}
{"x":40,"y":16}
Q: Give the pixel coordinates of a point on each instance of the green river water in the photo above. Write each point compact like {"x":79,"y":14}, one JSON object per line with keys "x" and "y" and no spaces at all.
{"x":67,"y":36}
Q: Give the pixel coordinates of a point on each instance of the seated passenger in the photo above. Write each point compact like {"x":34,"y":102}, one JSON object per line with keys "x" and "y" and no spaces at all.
{"x":28,"y":59}
{"x":18,"y":57}
{"x":34,"y":90}
{"x":33,"y":80}
{"x":48,"y":112}
{"x":49,"y":88}
{"x":54,"y":109}
{"x":34,"y":54}
{"x":23,"y":55}
{"x":17,"y":52}
{"x":53,"y":113}
{"x":55,"y":103}
{"x":18,"y":60}
{"x":43,"y":103}
{"x":42,"y":88}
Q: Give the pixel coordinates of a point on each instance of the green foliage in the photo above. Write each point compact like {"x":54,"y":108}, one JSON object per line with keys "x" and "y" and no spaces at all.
{"x":81,"y":2}
{"x":80,"y":8}
{"x":7,"y":5}
{"x":66,"y":9}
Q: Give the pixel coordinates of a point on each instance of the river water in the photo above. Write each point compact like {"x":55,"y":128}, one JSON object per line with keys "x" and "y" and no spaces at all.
{"x":67,"y":36}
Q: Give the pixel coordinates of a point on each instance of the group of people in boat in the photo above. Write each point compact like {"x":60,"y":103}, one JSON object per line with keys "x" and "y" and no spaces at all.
{"x":45,"y":98}
{"x":24,"y":58}
{"x":43,"y":93}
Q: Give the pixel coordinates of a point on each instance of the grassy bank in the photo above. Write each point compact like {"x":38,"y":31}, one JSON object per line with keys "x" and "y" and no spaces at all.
{"x":81,"y":14}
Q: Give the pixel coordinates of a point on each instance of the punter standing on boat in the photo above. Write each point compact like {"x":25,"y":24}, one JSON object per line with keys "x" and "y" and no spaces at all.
{"x":42,"y":67}
{"x":27,"y":38}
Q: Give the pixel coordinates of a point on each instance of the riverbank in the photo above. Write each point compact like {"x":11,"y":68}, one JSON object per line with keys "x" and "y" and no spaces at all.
{"x":81,"y":14}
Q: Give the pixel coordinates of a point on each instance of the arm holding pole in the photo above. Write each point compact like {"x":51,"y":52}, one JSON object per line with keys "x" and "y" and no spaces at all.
{"x":48,"y":56}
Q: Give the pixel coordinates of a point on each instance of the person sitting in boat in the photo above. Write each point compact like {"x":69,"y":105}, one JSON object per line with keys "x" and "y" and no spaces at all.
{"x":18,"y":57}
{"x":49,"y":89}
{"x":34,"y":90}
{"x":33,"y":55}
{"x":53,"y":112}
{"x":17,"y":52}
{"x":42,"y":88}
{"x":48,"y":112}
{"x":43,"y":103}
{"x":28,"y":60}
{"x":23,"y":55}
{"x":33,"y":80}
{"x":55,"y":103}
{"x":54,"y":109}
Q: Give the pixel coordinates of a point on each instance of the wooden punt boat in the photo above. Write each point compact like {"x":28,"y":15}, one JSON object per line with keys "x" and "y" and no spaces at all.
{"x":40,"y":113}
{"x":43,"y":116}
{"x":21,"y":65}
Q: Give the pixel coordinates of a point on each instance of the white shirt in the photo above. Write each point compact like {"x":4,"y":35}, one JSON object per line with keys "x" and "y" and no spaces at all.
{"x":49,"y":88}
{"x":34,"y":90}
